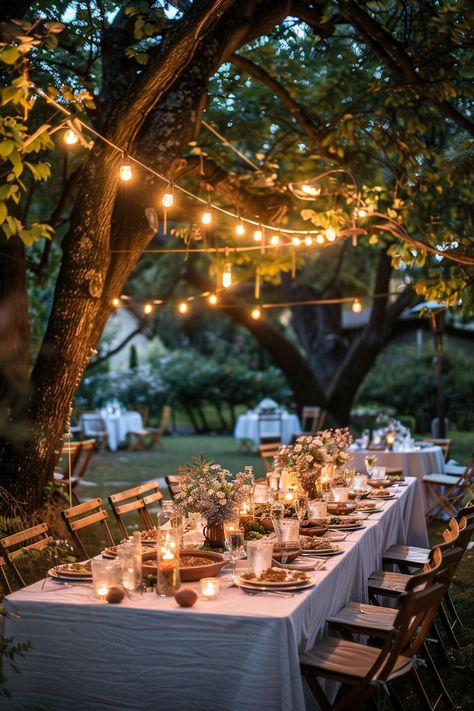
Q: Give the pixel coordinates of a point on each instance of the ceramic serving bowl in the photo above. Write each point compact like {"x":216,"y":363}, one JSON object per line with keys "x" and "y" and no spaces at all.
{"x":380,"y":483}
{"x":211,"y":565}
{"x":341,"y":508}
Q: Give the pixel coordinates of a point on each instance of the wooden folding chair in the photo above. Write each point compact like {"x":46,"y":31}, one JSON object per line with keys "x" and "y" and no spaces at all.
{"x":147,"y":437}
{"x":76,"y":466}
{"x":270,"y":428}
{"x":19,"y":545}
{"x":362,"y":667}
{"x":448,"y":491}
{"x":77,"y":518}
{"x":5,"y":583}
{"x":143,"y":410}
{"x":310,"y":419}
{"x":138,"y":499}
{"x":444,"y":443}
{"x":173,"y":483}
{"x":94,"y":427}
{"x":267,"y":452}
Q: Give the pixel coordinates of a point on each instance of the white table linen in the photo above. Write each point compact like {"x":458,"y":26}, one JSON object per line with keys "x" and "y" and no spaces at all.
{"x":236,"y":652}
{"x":117,"y":425}
{"x":417,"y":462}
{"x":248,"y":427}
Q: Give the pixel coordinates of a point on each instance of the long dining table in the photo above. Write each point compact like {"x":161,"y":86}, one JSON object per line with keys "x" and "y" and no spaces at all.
{"x":232,"y":653}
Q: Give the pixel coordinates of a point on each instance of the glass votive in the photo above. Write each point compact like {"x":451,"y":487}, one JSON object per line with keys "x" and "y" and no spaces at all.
{"x":289,"y":530}
{"x":360,"y":482}
{"x":317,"y":509}
{"x":259,"y":555}
{"x":262,"y":494}
{"x":130,"y":566}
{"x":210,"y":588}
{"x":167,"y":574}
{"x":340,"y":493}
{"x":105,"y":575}
{"x":349,"y":476}
{"x":378,"y":472}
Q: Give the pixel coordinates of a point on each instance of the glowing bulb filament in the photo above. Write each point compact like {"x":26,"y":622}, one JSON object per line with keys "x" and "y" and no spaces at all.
{"x":147,"y":309}
{"x":206,"y":217}
{"x":356,"y":306}
{"x":320,"y":239}
{"x":183,"y":308}
{"x":296,"y":241}
{"x":257,"y":235}
{"x":275,"y":240}
{"x":240,"y":229}
{"x":126,"y":172}
{"x":115,"y":302}
{"x":330,"y":234}
{"x":70,"y":137}
{"x":308,"y":241}
{"x":227,"y":275}
{"x":213,"y":299}
{"x":167,"y":199}
{"x":256,"y":313}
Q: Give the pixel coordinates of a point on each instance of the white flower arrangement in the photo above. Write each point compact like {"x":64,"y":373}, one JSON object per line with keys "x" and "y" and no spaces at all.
{"x":212,"y":491}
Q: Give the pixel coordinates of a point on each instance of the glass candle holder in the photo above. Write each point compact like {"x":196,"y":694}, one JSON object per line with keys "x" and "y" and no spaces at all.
{"x":210,"y":588}
{"x":259,"y":555}
{"x":130,"y":564}
{"x":262,"y":494}
{"x":288,"y":530}
{"x":105,"y":575}
{"x":360,"y":482}
{"x":340,"y":493}
{"x":167,"y":574}
{"x":317,"y":509}
{"x":378,"y":472}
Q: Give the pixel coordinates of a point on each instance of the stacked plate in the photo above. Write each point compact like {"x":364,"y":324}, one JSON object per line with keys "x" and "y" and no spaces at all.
{"x":289,"y":582}
{"x":71,"y":573}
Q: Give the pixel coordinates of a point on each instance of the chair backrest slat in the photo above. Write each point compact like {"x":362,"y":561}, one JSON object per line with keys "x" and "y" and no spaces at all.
{"x":84,"y":515}
{"x":18,"y":545}
{"x":138,"y":498}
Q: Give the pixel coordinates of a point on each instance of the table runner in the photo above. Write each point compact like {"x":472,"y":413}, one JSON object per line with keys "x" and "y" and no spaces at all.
{"x":236,"y":652}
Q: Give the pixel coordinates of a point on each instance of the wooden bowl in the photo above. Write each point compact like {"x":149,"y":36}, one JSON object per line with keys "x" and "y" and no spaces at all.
{"x":316,"y":529}
{"x":359,"y":493}
{"x":211,"y":565}
{"x":341,"y":508}
{"x":289,"y":553}
{"x":380,"y":483}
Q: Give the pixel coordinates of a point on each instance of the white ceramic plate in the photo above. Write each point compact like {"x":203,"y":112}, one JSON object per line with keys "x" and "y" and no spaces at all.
{"x":287,"y":588}
{"x":268,"y":584}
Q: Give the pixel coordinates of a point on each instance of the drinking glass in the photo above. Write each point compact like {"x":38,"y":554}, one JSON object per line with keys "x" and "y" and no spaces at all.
{"x":378,"y":472}
{"x":165,"y":513}
{"x":370,"y":461}
{"x":277,"y":512}
{"x":288,"y":530}
{"x":235,"y":545}
{"x":301,"y":505}
{"x":259,"y":555}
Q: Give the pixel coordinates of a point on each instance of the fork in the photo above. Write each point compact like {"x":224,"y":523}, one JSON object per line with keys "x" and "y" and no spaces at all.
{"x":276,"y":593}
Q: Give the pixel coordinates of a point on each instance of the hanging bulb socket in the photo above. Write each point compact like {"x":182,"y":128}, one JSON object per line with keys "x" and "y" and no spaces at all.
{"x":227,"y":275}
{"x":125,"y":171}
{"x":168,"y":197}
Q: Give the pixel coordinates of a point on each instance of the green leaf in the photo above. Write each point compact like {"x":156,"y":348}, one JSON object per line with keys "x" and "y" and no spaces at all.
{"x":9,"y":55}
{"x":6,"y":147}
{"x":3,"y":212}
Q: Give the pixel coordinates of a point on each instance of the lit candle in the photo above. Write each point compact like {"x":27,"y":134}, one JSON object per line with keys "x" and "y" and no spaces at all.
{"x":102,"y":590}
{"x":210,"y":588}
{"x":390,"y":439}
{"x":289,"y":496}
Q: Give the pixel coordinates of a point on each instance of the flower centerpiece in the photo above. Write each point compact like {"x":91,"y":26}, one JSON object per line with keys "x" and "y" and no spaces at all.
{"x":308,"y":455}
{"x":212,"y":491}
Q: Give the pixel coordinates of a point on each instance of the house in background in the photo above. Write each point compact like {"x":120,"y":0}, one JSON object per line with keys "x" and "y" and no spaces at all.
{"x":124,"y":322}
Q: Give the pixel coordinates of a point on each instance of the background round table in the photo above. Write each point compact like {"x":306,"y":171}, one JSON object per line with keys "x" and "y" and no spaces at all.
{"x":247,"y":428}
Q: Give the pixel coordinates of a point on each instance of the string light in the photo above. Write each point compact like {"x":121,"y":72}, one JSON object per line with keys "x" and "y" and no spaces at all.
{"x":257,"y":235}
{"x":227,"y":275}
{"x":125,"y":172}
{"x":206,"y":217}
{"x":168,"y":197}
{"x":330,"y":234}
{"x":308,"y":241}
{"x":70,"y":137}
{"x":116,"y":302}
{"x":240,"y":229}
{"x":147,"y":309}
{"x":213,"y":299}
{"x":274,"y":240}
{"x":320,"y":239}
{"x":360,"y":212}
{"x":311,"y":190}
{"x":296,"y":241}
{"x":256,"y":313}
{"x":356,"y":306}
{"x":183,"y":308}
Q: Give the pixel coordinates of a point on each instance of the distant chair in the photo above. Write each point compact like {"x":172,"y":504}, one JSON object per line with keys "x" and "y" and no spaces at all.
{"x":147,"y":437}
{"x":77,"y":459}
{"x":19,"y":545}
{"x":138,"y":499}
{"x":312,"y":419}
{"x":449,"y":492}
{"x":443,"y":443}
{"x":77,"y":518}
{"x":173,"y":482}
{"x":270,"y":428}
{"x":267,"y":452}
{"x":143,"y":410}
{"x":93,"y":426}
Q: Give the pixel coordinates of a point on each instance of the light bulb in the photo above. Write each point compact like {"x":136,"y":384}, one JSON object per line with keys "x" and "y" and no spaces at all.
{"x":147,"y":309}
{"x":206,"y":217}
{"x":330,"y":234}
{"x":257,"y":235}
{"x":70,"y":137}
{"x":126,"y":172}
{"x":320,"y":239}
{"x":274,"y":239}
{"x":167,"y":199}
{"x":256,"y":313}
{"x":213,"y":299}
{"x":308,"y":241}
{"x":183,"y":308}
{"x":116,"y":302}
{"x":296,"y":241}
{"x":356,"y":306}
{"x":361,"y":212}
{"x":311,"y":190}
{"x":227,"y":275}
{"x":240,"y":229}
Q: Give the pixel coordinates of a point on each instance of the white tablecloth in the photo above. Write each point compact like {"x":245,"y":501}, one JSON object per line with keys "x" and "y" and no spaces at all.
{"x":236,"y":652}
{"x":118,"y":426}
{"x":247,"y":427}
{"x":414,"y":462}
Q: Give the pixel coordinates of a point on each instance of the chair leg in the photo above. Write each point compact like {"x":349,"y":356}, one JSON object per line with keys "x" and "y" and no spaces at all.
{"x":438,"y":682}
{"x":440,"y":646}
{"x":395,"y":701}
{"x":447,"y":627}
{"x":452,"y":609}
{"x":420,"y":690}
{"x":318,"y":693}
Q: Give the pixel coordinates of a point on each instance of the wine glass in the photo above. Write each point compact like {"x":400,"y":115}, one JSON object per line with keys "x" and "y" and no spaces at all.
{"x":235,"y":543}
{"x":277,"y":513}
{"x":301,"y":505}
{"x":370,"y":462}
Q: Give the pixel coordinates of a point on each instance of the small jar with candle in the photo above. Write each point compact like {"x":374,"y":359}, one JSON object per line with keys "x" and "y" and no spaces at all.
{"x":390,"y":440}
{"x":210,"y":588}
{"x":167,"y":576}
{"x":340,"y":493}
{"x":131,"y":565}
{"x":245,"y":514}
{"x":106,"y":574}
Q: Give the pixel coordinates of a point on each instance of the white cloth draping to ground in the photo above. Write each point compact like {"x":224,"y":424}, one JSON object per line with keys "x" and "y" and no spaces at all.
{"x":415,"y":462}
{"x":236,"y":652}
{"x":248,"y":427}
{"x":117,"y":425}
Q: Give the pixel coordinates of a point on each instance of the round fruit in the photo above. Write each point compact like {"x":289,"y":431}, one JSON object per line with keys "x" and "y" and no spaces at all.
{"x":115,"y":595}
{"x":186,"y":597}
